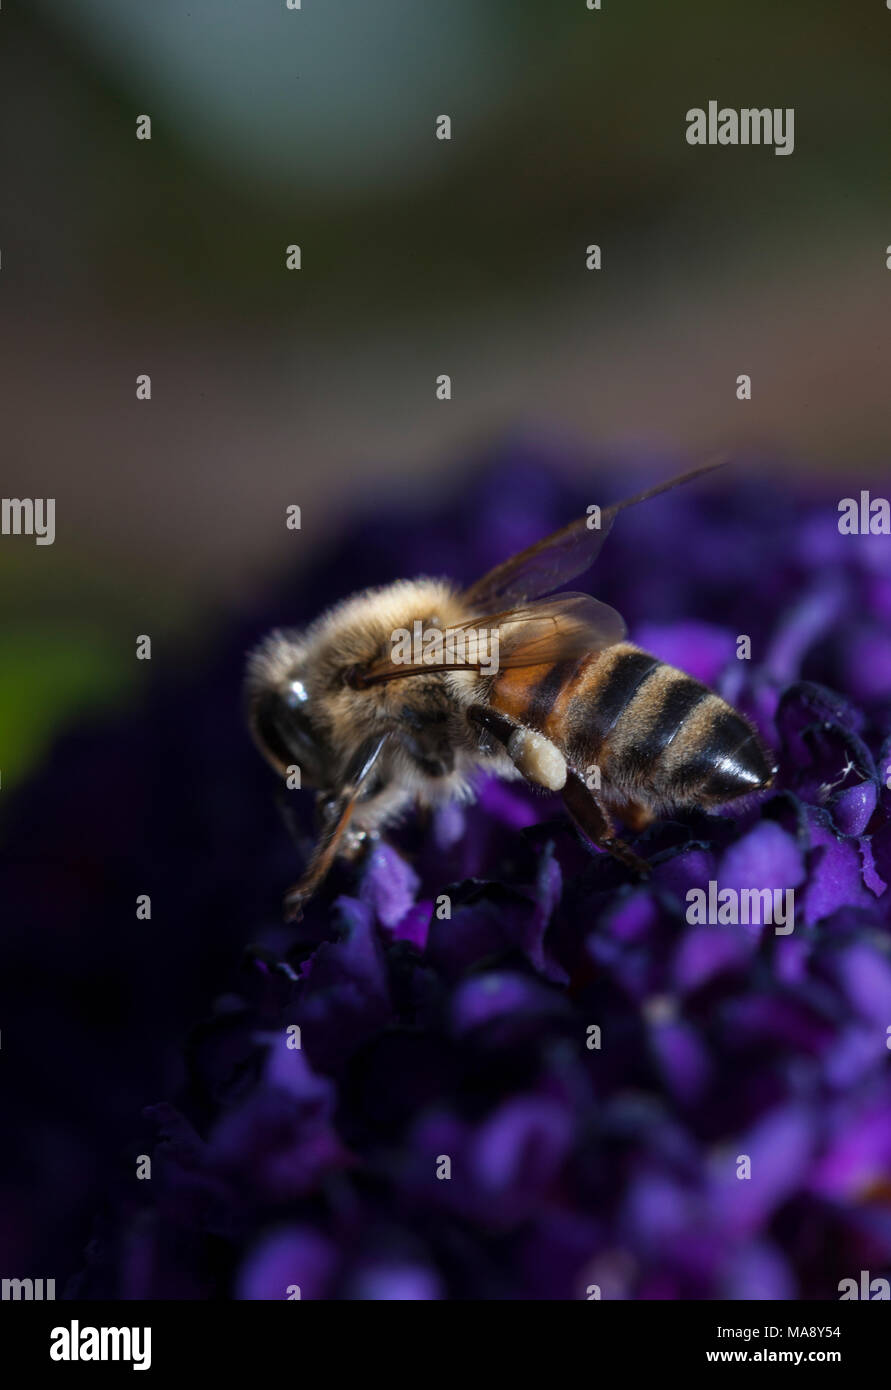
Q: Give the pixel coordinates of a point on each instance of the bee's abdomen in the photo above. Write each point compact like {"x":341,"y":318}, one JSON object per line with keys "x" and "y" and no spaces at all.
{"x":656,"y":732}
{"x":651,"y":730}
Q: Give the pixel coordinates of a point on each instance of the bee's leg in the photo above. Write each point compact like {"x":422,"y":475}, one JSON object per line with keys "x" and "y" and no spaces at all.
{"x":357,"y":843}
{"x":336,"y":818}
{"x":493,"y":727}
{"x":541,"y":762}
{"x":535,"y":756}
{"x":594,"y":823}
{"x":285,"y":803}
{"x":636,"y":816}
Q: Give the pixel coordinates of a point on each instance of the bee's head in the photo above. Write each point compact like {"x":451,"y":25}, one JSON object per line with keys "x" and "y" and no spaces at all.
{"x":280,"y":709}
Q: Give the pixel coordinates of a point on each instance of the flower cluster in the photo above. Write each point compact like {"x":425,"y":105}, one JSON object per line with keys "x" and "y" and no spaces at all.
{"x":556,"y":1083}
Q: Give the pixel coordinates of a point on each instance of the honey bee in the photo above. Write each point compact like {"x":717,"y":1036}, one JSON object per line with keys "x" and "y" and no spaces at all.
{"x":507,"y":681}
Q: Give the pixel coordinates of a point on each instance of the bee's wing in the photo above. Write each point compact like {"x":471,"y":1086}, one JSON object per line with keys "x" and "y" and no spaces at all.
{"x":556,"y":629}
{"x":560,"y":557}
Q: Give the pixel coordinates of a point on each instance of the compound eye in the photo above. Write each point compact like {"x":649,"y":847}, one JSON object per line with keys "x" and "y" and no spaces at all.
{"x":295,"y":695}
{"x":284,"y":733}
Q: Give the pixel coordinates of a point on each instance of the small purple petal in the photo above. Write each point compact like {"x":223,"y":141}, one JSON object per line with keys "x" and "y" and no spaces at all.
{"x":633,"y":916}
{"x":758,"y":1272}
{"x":779,"y":1149}
{"x":704,"y":952}
{"x":293,"y":1259}
{"x":414,"y":926}
{"x":871,"y":876}
{"x":881,"y":855}
{"x":835,"y":879}
{"x":483,"y":998}
{"x":396,"y":1283}
{"x":766,"y":857}
{"x":865,"y":976}
{"x":520,"y":1149}
{"x":288,"y":1070}
{"x":854,"y":1053}
{"x":449,"y":824}
{"x":808,"y":621}
{"x":853,"y":807}
{"x":859,"y":1151}
{"x":682,"y":1059}
{"x":657,"y":1209}
{"x":389,"y":884}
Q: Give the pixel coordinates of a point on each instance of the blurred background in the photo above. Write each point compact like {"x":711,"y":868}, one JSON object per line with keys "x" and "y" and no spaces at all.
{"x":272,"y":126}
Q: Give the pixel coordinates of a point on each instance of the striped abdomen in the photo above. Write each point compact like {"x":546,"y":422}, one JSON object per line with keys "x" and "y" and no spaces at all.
{"x":655,"y":733}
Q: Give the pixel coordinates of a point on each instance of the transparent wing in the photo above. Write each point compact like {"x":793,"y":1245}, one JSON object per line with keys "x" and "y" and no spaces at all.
{"x":557,"y":629}
{"x":562,"y":556}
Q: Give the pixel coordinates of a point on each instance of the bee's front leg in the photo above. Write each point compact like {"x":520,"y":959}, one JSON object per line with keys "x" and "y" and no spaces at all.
{"x":353,"y":842}
{"x":284,"y":801}
{"x":358,"y":843}
{"x":336,"y":811}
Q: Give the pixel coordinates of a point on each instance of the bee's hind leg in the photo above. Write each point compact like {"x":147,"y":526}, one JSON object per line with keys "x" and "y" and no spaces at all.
{"x":635,"y":816}
{"x":542,"y":763}
{"x":535,"y":756}
{"x":594,"y":823}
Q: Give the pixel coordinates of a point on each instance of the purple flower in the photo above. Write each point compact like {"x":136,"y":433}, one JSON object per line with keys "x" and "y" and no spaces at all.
{"x":488,"y":1063}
